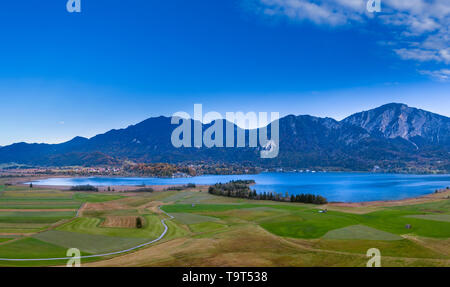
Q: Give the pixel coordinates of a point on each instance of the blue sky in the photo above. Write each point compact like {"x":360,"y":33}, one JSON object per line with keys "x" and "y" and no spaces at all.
{"x":120,"y":62}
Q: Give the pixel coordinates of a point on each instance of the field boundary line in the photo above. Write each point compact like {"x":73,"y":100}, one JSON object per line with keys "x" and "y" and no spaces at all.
{"x":80,"y":209}
{"x":166,"y":228}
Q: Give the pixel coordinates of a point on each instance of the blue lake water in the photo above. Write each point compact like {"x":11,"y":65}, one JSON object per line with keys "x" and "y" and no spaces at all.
{"x":345,"y":187}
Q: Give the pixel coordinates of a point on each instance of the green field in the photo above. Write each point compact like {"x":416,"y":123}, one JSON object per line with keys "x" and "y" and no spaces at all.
{"x":190,"y":218}
{"x":22,"y":227}
{"x":307,"y":222}
{"x":31,"y":217}
{"x":435,"y":217}
{"x":360,"y":232}
{"x":89,"y":243}
{"x":4,"y":239}
{"x":206,"y":227}
{"x":35,"y":216}
{"x":40,"y":205}
{"x":92,"y":197}
{"x":211,"y":230}
{"x":91,"y":225}
{"x":31,"y":248}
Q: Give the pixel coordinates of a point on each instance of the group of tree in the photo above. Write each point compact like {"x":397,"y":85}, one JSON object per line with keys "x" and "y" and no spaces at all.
{"x":84,"y":188}
{"x":144,"y":189}
{"x":236,"y":188}
{"x":309,"y":198}
{"x":181,"y":187}
{"x":241,"y":189}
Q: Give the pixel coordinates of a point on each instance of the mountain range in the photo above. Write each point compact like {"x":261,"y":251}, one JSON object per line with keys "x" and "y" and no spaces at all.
{"x":393,"y":137}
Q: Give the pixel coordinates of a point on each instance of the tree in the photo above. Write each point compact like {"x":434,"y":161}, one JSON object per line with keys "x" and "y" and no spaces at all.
{"x":138,"y":222}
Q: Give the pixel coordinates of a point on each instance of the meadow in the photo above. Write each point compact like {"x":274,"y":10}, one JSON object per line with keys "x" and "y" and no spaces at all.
{"x":208,"y":230}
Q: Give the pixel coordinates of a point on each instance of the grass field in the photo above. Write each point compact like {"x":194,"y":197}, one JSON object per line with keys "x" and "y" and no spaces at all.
{"x":92,"y":225}
{"x":89,"y":243}
{"x":206,"y":227}
{"x":29,"y":217}
{"x":2,"y":240}
{"x":35,"y":216}
{"x":435,"y":217}
{"x":190,"y":218}
{"x":31,"y":248}
{"x":360,"y":232}
{"x":210,"y":230}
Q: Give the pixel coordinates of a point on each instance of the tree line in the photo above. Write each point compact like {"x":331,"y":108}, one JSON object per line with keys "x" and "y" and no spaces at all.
{"x":84,"y":188}
{"x":308,"y":198}
{"x":241,"y":189}
{"x":181,"y":187}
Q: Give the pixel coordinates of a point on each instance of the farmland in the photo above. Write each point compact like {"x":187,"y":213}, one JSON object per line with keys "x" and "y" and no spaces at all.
{"x":208,"y":230}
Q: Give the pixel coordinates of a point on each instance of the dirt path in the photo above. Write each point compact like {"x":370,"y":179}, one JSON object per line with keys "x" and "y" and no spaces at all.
{"x":153,"y":206}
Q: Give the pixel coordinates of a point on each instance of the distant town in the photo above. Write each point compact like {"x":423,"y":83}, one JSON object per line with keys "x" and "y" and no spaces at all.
{"x":166,"y":170}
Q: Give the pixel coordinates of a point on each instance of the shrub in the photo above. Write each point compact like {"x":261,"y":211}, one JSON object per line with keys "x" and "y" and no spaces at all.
{"x":146,"y":189}
{"x":181,"y":187}
{"x":84,"y":188}
{"x":177,"y":188}
{"x":138,"y":222}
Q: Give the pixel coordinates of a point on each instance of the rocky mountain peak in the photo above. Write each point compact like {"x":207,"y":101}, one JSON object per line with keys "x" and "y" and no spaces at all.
{"x":398,"y":120}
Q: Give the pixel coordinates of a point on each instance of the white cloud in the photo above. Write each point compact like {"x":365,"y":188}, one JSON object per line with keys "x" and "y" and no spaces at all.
{"x":445,"y":55}
{"x":425,"y":26}
{"x":440,"y":75}
{"x":418,"y":54}
{"x":334,"y":13}
{"x":421,"y":26}
{"x":406,"y":5}
{"x":354,"y":4}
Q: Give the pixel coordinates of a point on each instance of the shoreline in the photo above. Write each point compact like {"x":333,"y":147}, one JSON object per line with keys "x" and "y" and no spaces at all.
{"x":431,"y":197}
{"x":443,"y":193}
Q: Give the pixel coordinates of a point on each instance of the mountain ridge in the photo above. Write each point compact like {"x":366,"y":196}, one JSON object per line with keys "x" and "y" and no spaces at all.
{"x":392,"y":136}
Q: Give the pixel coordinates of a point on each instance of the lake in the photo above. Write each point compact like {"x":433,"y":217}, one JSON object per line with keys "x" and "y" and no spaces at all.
{"x":345,"y":187}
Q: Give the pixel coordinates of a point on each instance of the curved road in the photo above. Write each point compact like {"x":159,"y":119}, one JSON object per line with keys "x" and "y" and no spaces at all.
{"x":105,"y":254}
